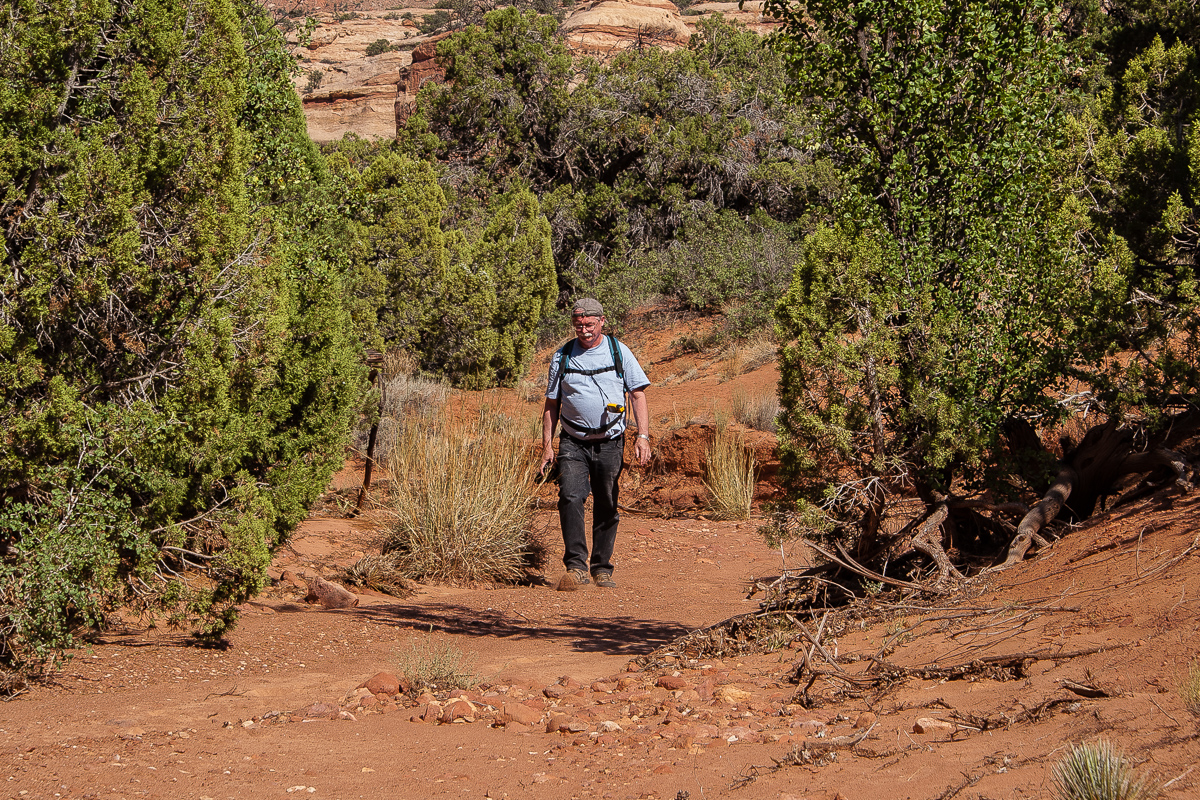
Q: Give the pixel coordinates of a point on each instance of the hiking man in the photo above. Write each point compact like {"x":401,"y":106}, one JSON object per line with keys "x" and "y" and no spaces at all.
{"x":589,"y":379}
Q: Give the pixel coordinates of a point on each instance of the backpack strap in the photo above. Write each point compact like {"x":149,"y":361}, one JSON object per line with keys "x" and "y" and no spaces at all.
{"x":564,"y":357}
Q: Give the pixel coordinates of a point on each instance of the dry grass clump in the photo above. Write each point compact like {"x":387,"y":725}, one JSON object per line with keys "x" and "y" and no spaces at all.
{"x":532,"y":391}
{"x":1189,"y":689}
{"x":757,"y":411}
{"x":729,"y":474}
{"x":381,"y":573}
{"x":746,"y":357}
{"x":408,"y":400}
{"x":431,"y":665}
{"x":1098,"y":772}
{"x":462,"y":502}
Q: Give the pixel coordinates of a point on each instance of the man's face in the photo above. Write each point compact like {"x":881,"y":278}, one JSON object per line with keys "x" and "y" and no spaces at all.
{"x":587,"y":329}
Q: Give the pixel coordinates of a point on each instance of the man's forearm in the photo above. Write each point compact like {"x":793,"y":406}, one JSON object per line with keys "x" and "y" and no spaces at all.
{"x":641,"y":413}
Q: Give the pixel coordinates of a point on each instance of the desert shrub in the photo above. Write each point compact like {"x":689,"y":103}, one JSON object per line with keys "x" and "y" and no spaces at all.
{"x":1098,"y":772}
{"x":378,"y":47}
{"x":176,"y":372}
{"x":464,"y":301}
{"x":378,"y":572}
{"x":461,"y":509}
{"x":314,"y":81}
{"x":431,"y":665}
{"x":757,"y":411}
{"x":434,"y":22}
{"x":729,"y":474}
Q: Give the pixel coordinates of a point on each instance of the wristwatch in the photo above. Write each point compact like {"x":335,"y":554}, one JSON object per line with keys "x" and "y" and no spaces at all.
{"x":644,"y":436}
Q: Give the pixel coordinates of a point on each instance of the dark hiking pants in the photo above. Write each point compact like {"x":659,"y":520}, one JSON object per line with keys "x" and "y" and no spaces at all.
{"x":589,"y":467}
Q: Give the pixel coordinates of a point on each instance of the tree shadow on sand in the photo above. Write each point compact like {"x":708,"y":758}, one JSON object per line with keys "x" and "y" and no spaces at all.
{"x":613,"y":635}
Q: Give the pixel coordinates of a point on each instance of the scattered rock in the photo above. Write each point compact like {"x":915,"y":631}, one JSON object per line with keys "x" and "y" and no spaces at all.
{"x":561,"y":723}
{"x":673,"y":682}
{"x":865,"y":720}
{"x":457,"y":710}
{"x":384,"y":683}
{"x":432,"y":712}
{"x":930,"y":725}
{"x":317,"y":711}
{"x":519,"y":713}
{"x":731,"y":694}
{"x":329,"y":595}
{"x":292,"y":578}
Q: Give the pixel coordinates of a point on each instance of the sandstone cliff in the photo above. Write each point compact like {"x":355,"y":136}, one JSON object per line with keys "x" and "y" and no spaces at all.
{"x":344,"y":90}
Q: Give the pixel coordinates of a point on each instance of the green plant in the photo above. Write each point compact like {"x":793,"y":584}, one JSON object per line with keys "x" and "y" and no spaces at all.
{"x":391,"y":15}
{"x":729,"y":474}
{"x":1098,"y":772}
{"x":379,"y":46}
{"x":314,"y":81}
{"x":175,"y":385}
{"x":432,"y":665}
{"x":462,"y":502}
{"x":435,"y":21}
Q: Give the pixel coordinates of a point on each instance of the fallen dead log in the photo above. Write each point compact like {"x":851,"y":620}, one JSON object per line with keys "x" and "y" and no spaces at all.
{"x":1019,"y":663}
{"x":1106,"y":454}
{"x":1003,"y":720}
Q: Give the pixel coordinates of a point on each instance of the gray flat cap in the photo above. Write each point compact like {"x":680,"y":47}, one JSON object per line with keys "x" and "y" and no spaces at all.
{"x":587,"y":307}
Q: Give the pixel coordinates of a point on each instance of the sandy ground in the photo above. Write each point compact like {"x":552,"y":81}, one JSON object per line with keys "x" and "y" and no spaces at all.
{"x":1101,"y":627}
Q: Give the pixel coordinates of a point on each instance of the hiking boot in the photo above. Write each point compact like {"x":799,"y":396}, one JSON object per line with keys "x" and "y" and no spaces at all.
{"x":604,"y":580}
{"x":572,"y":580}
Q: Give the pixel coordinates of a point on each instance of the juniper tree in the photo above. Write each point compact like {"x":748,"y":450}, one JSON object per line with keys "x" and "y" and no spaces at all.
{"x":175,"y":368}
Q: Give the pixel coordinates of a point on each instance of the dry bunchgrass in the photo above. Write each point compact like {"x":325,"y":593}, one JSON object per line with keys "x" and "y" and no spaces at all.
{"x":1098,"y":772}
{"x":532,"y":391}
{"x":406,"y":398}
{"x":757,"y":411}
{"x":432,"y":665}
{"x":462,"y":502}
{"x":729,"y":474}
{"x":379,"y":572}
{"x":746,"y":357}
{"x":1189,"y":689}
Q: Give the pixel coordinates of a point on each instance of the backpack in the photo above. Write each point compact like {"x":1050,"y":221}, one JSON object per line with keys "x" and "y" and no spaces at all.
{"x":564,"y":356}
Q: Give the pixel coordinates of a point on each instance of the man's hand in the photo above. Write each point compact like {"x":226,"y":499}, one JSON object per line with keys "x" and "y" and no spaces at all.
{"x":641,"y":450}
{"x":548,"y":459}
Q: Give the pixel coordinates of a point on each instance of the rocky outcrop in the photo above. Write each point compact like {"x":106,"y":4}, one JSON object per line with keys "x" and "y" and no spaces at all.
{"x":342,"y":88}
{"x":604,"y":27}
{"x":424,"y":67}
{"x":346,"y":91}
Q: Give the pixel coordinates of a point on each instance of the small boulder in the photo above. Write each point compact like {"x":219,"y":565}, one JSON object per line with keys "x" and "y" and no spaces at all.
{"x":432,"y":712}
{"x":457,"y":710}
{"x":329,"y":595}
{"x":382,"y":683}
{"x":520,"y":713}
{"x":673,"y":682}
{"x":865,"y":720}
{"x":930,"y":725}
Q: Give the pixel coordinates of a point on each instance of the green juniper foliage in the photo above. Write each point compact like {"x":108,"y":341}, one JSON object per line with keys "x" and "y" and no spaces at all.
{"x":621,"y":155}
{"x":941,"y":300}
{"x":176,"y":366}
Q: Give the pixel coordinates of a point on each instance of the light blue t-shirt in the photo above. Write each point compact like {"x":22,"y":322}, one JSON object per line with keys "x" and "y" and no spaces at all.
{"x":585,"y":397}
